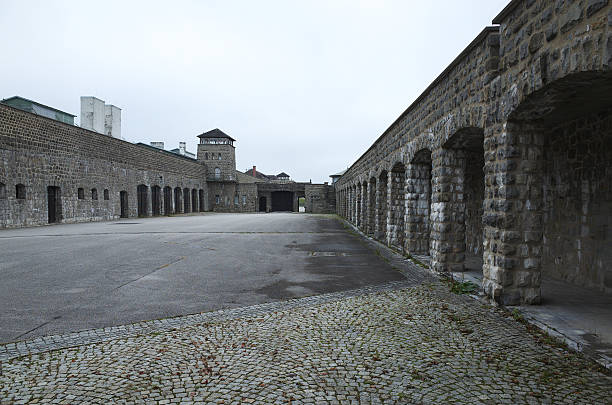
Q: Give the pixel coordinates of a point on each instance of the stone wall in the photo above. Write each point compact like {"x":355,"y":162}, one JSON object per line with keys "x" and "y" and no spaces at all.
{"x":38,"y":152}
{"x":320,"y":198}
{"x":486,"y":121}
{"x":577,"y":202}
{"x":232,"y":197}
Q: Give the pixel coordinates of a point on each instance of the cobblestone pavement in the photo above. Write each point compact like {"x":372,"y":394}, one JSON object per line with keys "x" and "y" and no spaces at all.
{"x":392,"y":344}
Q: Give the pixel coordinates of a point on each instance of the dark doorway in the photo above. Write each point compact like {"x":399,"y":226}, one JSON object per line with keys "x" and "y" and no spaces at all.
{"x":282,"y":201}
{"x":201,"y":195}
{"x":263,"y":201}
{"x":156,"y":200}
{"x":142,"y":200}
{"x":186,"y":201}
{"x":177,"y":200}
{"x":123,"y":198}
{"x":167,"y":200}
{"x":54,"y":199}
{"x":194,"y":200}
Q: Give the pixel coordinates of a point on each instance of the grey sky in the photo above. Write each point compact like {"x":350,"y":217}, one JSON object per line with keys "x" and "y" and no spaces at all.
{"x":304,"y":86}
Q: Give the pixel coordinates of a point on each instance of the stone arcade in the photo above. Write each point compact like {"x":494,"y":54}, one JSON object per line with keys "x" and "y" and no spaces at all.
{"x":506,"y":157}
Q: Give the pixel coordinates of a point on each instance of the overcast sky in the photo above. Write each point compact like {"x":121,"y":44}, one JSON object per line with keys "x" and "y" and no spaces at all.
{"x":304,"y":87}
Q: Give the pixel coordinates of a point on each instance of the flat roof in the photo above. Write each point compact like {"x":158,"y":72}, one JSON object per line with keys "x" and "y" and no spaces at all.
{"x":37,"y":103}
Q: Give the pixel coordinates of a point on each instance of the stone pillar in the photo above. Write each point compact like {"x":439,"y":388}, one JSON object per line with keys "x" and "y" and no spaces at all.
{"x":352,"y":204}
{"x":418,"y":207}
{"x":358,"y":205}
{"x":380,"y":221}
{"x":513,"y":213}
{"x":447,"y":210}
{"x":397,"y":180}
{"x":364,"y":207}
{"x":388,"y":213}
{"x":371,"y":207}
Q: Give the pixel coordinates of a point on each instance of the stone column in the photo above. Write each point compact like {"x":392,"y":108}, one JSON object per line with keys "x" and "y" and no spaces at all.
{"x":380,"y":224}
{"x":513,"y":213}
{"x":371,"y":207}
{"x":358,"y":205}
{"x":364,"y":207}
{"x":447,"y":210}
{"x":397,"y":208}
{"x":388,"y":211}
{"x":418,"y":206}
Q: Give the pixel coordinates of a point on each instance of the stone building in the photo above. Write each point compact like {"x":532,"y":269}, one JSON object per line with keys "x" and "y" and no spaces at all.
{"x":505,"y":159}
{"x":52,"y":171}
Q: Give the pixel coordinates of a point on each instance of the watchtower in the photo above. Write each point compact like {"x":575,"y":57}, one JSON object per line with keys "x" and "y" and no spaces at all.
{"x":216,"y":150}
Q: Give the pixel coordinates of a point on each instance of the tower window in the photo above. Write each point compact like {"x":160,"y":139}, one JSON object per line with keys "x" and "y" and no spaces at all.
{"x":80,"y":193}
{"x":106,"y":194}
{"x":94,"y":194}
{"x":217,"y":173}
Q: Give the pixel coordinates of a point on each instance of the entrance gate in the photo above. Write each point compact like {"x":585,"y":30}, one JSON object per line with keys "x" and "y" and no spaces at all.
{"x":282,"y":201}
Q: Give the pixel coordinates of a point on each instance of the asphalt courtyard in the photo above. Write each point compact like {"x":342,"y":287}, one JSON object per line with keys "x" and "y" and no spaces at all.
{"x":71,"y":277}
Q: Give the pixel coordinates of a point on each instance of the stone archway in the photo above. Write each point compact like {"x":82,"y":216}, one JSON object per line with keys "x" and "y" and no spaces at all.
{"x":548,"y":204}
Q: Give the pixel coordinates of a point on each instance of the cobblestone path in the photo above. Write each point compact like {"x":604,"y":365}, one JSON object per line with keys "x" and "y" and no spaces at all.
{"x":398,"y":344}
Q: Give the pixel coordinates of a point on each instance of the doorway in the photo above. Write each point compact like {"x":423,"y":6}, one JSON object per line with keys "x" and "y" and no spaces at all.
{"x":123,"y":199}
{"x":141,"y":195}
{"x":156,"y":200}
{"x":262,"y":204}
{"x":282,"y":201}
{"x":54,"y":200}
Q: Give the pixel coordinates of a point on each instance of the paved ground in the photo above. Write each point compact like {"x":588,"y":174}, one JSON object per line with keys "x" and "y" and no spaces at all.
{"x":405,"y":345}
{"x":63,"y":278}
{"x":406,"y":341}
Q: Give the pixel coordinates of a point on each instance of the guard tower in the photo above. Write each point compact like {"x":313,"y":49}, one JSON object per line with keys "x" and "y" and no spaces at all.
{"x":216,"y":150}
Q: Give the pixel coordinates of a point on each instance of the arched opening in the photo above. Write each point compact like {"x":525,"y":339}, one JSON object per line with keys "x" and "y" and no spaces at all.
{"x":397,"y":208}
{"x":142,"y":192}
{"x":94,"y":194}
{"x":217,"y":173}
{"x":2,"y":191}
{"x":556,"y":185}
{"x":123,"y":200}
{"x":465,"y":156}
{"x":106,"y":195}
{"x":81,"y":193}
{"x":54,"y":204}
{"x":202,"y":200}
{"x":178,"y":202}
{"x":418,"y":191}
{"x":263,"y":204}
{"x":156,"y":200}
{"x":194,"y":200}
{"x":167,"y":200}
{"x":186,"y":201}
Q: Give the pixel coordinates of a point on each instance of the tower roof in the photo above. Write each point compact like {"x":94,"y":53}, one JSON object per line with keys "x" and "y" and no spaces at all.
{"x":215,"y":133}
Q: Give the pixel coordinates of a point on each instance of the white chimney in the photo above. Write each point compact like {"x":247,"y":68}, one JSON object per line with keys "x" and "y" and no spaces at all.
{"x":92,"y":114}
{"x":112,"y":121}
{"x":158,"y":145}
{"x":182,"y":148}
